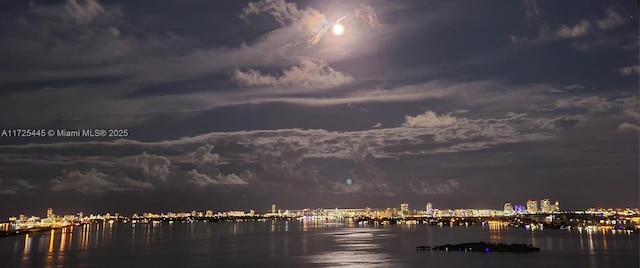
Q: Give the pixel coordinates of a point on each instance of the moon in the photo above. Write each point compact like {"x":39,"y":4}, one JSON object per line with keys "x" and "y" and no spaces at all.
{"x":337,"y":29}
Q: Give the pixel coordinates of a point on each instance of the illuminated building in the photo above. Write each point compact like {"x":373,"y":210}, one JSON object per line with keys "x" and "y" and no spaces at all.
{"x":252,"y":213}
{"x":545,"y":205}
{"x":404,"y":209}
{"x":556,"y":207}
{"x":209,"y":213}
{"x":508,"y":209}
{"x":519,"y":209}
{"x":429,"y":210}
{"x":50,"y":214}
{"x":532,"y":206}
{"x":273,"y":208}
{"x":236,"y":213}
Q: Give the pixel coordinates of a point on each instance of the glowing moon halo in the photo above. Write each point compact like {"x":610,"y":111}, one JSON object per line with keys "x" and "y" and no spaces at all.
{"x":337,"y":29}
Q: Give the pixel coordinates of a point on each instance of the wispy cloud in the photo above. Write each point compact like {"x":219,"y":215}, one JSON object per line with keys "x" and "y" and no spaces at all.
{"x":310,"y":73}
{"x":15,"y":186}
{"x":612,"y":19}
{"x":429,"y":119}
{"x":630,"y":70}
{"x":571,"y":31}
{"x":583,"y":28}
{"x":628,"y":127}
{"x":95,"y":182}
{"x":84,"y":11}
{"x":449,"y":186}
{"x":280,"y":10}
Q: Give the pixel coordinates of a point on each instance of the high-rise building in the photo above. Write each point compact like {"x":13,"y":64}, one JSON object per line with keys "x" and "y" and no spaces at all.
{"x":273,"y":208}
{"x":508,"y":209}
{"x":429,"y":210}
{"x":404,"y":209}
{"x":545,"y":205}
{"x":532,"y":206}
{"x":556,"y":207}
{"x":50,"y":214}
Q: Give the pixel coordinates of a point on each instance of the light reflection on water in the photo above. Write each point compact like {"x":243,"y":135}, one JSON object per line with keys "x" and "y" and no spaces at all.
{"x":355,"y":247}
{"x":319,"y":243}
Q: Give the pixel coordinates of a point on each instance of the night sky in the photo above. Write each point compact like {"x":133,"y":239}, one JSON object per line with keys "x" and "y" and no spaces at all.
{"x":237,"y":105}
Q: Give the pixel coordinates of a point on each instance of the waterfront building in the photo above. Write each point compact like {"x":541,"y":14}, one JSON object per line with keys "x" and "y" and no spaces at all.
{"x":404,"y":209}
{"x":508,"y":209}
{"x":532,"y":206}
{"x":429,"y":210}
{"x":545,"y":205}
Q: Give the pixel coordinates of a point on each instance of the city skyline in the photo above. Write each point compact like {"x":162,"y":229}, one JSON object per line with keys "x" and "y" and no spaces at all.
{"x":133,"y":106}
{"x":507,"y":210}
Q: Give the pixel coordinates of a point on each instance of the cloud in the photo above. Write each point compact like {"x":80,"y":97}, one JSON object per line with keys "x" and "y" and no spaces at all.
{"x":84,"y":11}
{"x":583,"y":28}
{"x":90,"y":182}
{"x":205,"y":180}
{"x":515,"y":39}
{"x":311,"y":22}
{"x":310,"y":73}
{"x":612,"y":20}
{"x":531,"y":9}
{"x":281,"y":11}
{"x":571,"y":31}
{"x":377,"y":125}
{"x":7,"y":191}
{"x":252,"y":77}
{"x":594,"y":103}
{"x":429,"y":119}
{"x":630,"y":70}
{"x":153,"y":166}
{"x":628,"y":127}
{"x":367,"y":15}
{"x":450,"y":186}
{"x":15,"y":186}
{"x":203,"y":156}
{"x":632,"y":113}
{"x":207,"y":172}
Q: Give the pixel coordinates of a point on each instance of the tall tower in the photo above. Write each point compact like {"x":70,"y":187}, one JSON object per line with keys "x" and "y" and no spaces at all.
{"x":556,"y":207}
{"x":273,"y":208}
{"x":429,"y":210}
{"x":50,"y":214}
{"x":532,"y":206}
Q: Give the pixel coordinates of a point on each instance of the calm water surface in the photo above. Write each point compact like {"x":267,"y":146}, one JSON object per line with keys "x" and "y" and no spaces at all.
{"x":305,"y":243}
